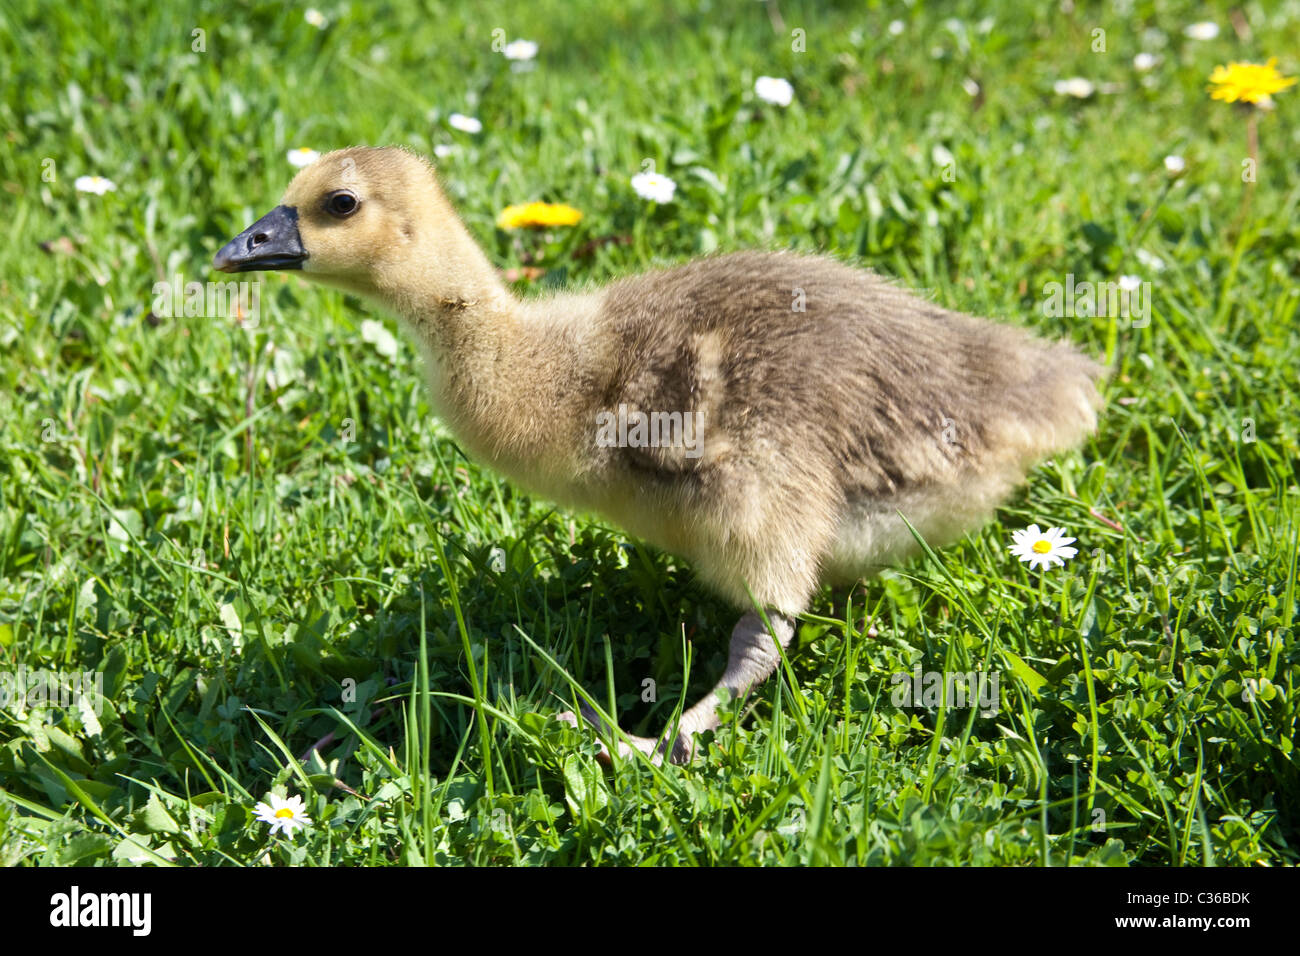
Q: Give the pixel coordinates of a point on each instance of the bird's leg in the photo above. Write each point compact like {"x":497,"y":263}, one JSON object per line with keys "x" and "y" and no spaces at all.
{"x":654,"y":749}
{"x":751,"y":658}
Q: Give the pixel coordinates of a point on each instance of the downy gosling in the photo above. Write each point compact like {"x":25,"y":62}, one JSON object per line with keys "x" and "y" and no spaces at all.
{"x":820,"y":405}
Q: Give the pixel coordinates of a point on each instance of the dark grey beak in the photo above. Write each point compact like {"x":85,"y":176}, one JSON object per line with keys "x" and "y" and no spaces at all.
{"x":272,"y":242}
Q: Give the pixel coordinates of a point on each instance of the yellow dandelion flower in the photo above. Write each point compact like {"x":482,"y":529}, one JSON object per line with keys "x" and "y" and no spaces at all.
{"x":538,"y":215}
{"x":1247,"y":82}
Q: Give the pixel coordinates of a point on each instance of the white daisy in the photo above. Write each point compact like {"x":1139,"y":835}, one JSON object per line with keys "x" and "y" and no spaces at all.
{"x":773,"y":89}
{"x":377,"y":334}
{"x":443,"y":150}
{"x":1042,"y":547}
{"x":1075,"y":86}
{"x":1205,"y":30}
{"x":466,"y":124}
{"x":1145,"y":61}
{"x":1150,"y":260}
{"x":94,"y":184}
{"x":1175,"y":165}
{"x":283,"y":815}
{"x":896,"y":27}
{"x":520,"y":50}
{"x":302,"y":156}
{"x":1129,"y":283}
{"x":315,"y":18}
{"x":654,"y":187}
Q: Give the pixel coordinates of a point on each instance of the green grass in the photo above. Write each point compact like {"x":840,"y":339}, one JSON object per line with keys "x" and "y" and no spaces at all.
{"x":180,"y":512}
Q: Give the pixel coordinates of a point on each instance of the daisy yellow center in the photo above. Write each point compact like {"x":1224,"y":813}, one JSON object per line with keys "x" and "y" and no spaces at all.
{"x":1043,"y":546}
{"x":284,"y":812}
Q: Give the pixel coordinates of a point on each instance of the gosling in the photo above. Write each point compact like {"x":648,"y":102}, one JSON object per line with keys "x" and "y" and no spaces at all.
{"x":822,"y":408}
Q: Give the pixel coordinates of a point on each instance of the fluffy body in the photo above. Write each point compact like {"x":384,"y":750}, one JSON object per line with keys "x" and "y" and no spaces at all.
{"x":831,"y":400}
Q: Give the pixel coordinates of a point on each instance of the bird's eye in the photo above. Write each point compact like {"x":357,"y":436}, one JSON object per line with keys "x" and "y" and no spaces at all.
{"x":341,"y":203}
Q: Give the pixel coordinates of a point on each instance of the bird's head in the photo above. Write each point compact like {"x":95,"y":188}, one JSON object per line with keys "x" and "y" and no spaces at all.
{"x":371,"y":221}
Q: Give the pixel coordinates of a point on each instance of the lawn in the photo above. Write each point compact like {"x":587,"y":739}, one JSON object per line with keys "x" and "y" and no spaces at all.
{"x":276,"y":573}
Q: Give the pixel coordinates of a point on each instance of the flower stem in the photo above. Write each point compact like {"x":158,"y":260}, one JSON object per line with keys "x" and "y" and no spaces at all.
{"x":1252,"y":150}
